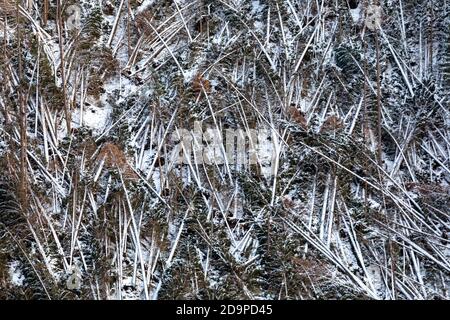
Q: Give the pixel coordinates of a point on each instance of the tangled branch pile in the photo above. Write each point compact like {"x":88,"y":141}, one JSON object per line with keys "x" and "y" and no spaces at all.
{"x":356,"y":202}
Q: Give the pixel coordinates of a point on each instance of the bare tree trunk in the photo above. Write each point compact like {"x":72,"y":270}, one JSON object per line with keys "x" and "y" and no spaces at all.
{"x":63,"y":72}
{"x":379,"y":153}
{"x":22,"y":115}
{"x":45,"y":15}
{"x":128,"y":29}
{"x":5,"y":59}
{"x":364,"y":120}
{"x":430,"y":39}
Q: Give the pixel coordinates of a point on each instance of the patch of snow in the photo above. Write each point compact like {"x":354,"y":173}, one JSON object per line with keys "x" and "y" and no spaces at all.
{"x":190,"y":73}
{"x":15,"y":274}
{"x":144,"y":6}
{"x":356,"y":14}
{"x":256,"y":7}
{"x":93,"y":117}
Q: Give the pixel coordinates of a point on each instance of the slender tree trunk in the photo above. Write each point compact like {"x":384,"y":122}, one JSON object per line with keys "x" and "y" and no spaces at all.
{"x":379,"y":153}
{"x":63,"y":72}
{"x":5,"y":60}
{"x":430,"y":39}
{"x":364,"y":120}
{"x":45,"y":15}
{"x":22,"y":115}
{"x":128,"y":29}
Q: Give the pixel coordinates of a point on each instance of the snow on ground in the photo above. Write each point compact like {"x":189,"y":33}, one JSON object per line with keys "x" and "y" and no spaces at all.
{"x":145,"y":4}
{"x":356,"y":14}
{"x":94,"y":117}
{"x":15,"y":274}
